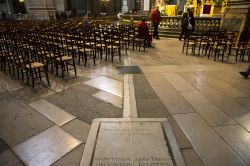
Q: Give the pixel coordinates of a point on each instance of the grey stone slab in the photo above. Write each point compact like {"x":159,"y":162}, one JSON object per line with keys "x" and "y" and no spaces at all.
{"x":109,"y":98}
{"x":78,"y":129}
{"x":119,"y":141}
{"x":8,"y":158}
{"x":182,"y":140}
{"x":107,"y":84}
{"x":191,"y":157}
{"x":229,"y":106}
{"x":9,"y":85}
{"x":238,"y":138}
{"x":178,"y":82}
{"x":73,"y":158}
{"x":52,"y":112}
{"x":3,"y":146}
{"x":89,"y":90}
{"x":157,"y":79}
{"x":57,"y":86}
{"x":84,"y":106}
{"x":142,"y":88}
{"x":173,"y":100}
{"x":129,"y":70}
{"x":19,"y":122}
{"x":209,"y":146}
{"x":46,"y":147}
{"x":151,"y":108}
{"x":245,"y":102}
{"x":210,"y":112}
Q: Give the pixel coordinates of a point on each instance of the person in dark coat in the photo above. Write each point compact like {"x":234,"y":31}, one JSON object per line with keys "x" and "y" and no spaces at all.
{"x":192,"y":20}
{"x":184,"y":24}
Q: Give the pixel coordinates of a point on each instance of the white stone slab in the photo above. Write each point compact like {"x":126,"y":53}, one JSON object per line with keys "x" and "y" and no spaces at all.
{"x":131,"y":142}
{"x":228,"y":105}
{"x":52,"y":112}
{"x":106,"y":84}
{"x":208,"y":145}
{"x":46,"y":147}
{"x":109,"y":98}
{"x":173,"y":100}
{"x":178,"y":82}
{"x":238,"y":138}
{"x":212,"y":114}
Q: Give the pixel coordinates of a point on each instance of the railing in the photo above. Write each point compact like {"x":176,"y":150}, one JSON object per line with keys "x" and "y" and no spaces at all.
{"x":174,"y":23}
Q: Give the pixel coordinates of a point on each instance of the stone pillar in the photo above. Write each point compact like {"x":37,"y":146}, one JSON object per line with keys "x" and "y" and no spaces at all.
{"x":124,"y":5}
{"x":10,"y":10}
{"x":60,"y":5}
{"x":40,"y":9}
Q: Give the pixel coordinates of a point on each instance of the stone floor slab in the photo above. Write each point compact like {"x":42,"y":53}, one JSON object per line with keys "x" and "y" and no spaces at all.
{"x":107,"y":84}
{"x":3,"y":146}
{"x":238,"y":138}
{"x":52,"y":112}
{"x":71,"y":159}
{"x":191,"y":157}
{"x":178,"y":82}
{"x":227,"y":105}
{"x":78,"y":129}
{"x":109,"y":98}
{"x":212,"y":114}
{"x":19,"y":122}
{"x":8,"y":84}
{"x":46,"y":147}
{"x":222,"y":86}
{"x":84,"y":106}
{"x":210,"y":147}
{"x":8,"y":158}
{"x":157,"y":79}
{"x":173,"y":100}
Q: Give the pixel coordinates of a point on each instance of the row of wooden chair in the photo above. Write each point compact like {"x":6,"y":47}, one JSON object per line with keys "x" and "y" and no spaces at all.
{"x":218,"y":43}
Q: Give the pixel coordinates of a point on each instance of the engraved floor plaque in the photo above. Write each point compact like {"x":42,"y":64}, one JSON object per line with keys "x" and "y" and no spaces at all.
{"x":131,"y":142}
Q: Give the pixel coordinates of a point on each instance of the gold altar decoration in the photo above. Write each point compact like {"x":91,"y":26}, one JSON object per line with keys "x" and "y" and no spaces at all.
{"x":171,"y":10}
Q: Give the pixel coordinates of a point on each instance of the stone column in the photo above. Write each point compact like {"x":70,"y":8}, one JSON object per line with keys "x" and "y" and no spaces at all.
{"x":124,"y":5}
{"x":10,"y":10}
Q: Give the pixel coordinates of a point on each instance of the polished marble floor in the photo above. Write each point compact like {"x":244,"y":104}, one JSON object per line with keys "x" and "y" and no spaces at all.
{"x":206,"y":102}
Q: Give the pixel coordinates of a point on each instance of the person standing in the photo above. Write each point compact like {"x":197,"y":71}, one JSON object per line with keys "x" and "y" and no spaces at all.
{"x":156,"y":19}
{"x":192,"y":20}
{"x":184,"y":24}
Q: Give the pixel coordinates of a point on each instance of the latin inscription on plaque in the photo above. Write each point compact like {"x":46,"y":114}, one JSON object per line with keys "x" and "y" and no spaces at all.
{"x":131,"y":144}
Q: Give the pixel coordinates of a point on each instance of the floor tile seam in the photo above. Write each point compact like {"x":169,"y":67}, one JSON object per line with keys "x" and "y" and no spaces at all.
{"x":11,"y":147}
{"x":82,"y":143}
{"x":219,"y":89}
{"x":219,"y":107}
{"x":19,"y":159}
{"x":212,"y":128}
{"x":229,"y":146}
{"x":213,"y":103}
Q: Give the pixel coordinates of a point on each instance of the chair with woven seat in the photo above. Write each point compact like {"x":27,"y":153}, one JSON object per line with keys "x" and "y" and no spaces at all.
{"x":63,"y":61}
{"x":112,"y":46}
{"x":33,"y":67}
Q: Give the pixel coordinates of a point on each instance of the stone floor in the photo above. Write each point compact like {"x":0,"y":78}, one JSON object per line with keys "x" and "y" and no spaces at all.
{"x":206,"y":102}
